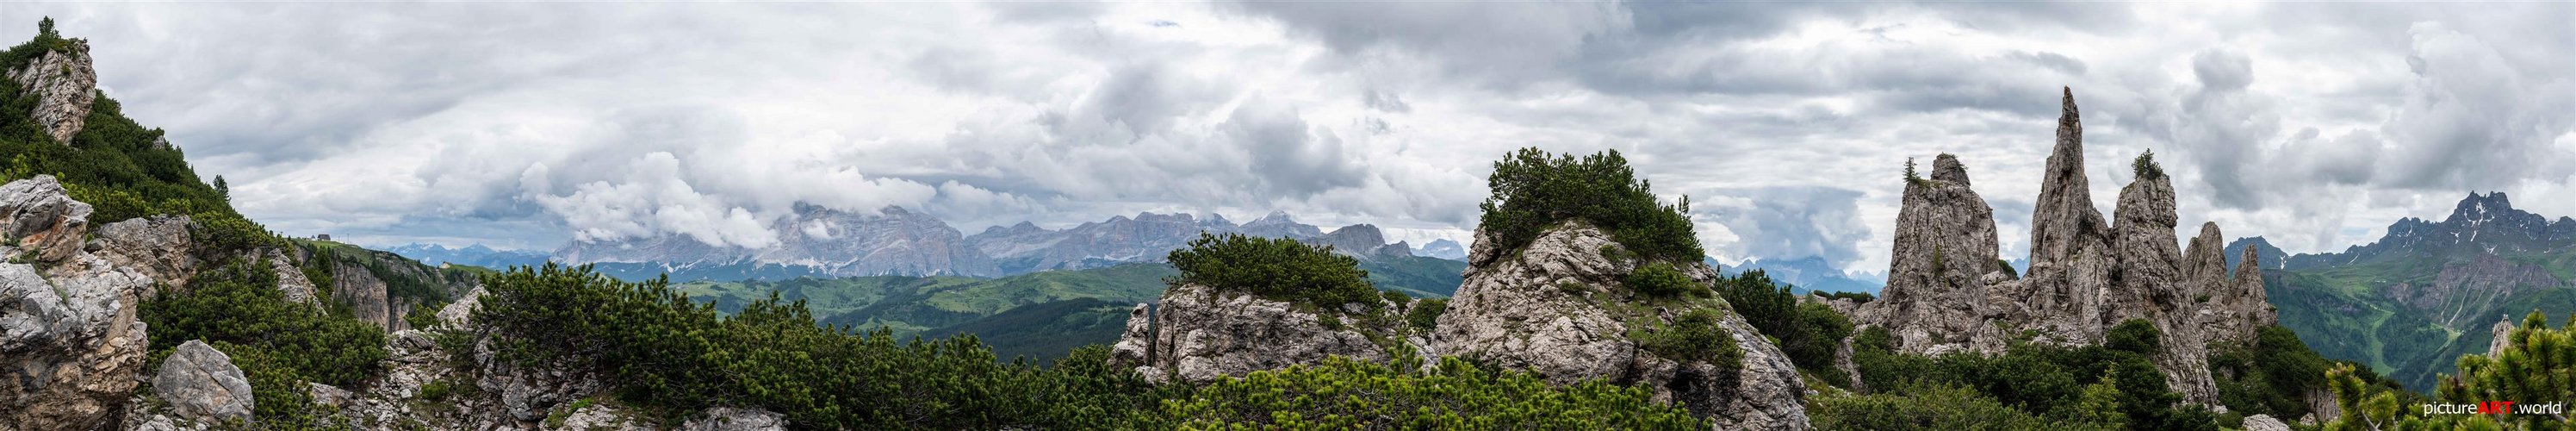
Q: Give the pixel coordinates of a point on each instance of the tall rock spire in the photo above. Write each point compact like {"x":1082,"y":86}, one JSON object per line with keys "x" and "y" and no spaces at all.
{"x":2065,"y":214}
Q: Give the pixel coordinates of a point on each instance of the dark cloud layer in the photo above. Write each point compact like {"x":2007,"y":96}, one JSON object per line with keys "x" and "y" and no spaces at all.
{"x":530,"y":124}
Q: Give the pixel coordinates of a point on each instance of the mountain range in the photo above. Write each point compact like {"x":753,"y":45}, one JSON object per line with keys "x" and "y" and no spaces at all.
{"x":2410,"y":303}
{"x":1812,"y":273}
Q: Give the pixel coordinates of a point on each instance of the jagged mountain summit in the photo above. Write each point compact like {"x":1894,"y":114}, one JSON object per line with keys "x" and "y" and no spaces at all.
{"x":1442,"y":248}
{"x":894,"y":241}
{"x":2480,"y":224}
{"x":1947,"y":290}
{"x":2271,"y":258}
{"x":823,"y":242}
{"x":2410,"y":303}
{"x":476,"y":255}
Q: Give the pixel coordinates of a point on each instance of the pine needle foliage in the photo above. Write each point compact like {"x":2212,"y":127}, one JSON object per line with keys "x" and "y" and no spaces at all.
{"x":1534,"y":190}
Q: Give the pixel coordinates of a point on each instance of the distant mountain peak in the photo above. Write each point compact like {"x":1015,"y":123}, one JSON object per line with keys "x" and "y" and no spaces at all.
{"x":2482,"y":208}
{"x":1275,"y":217}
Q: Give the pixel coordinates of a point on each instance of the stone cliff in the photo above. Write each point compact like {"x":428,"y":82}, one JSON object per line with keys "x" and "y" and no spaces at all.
{"x":1946,"y":291}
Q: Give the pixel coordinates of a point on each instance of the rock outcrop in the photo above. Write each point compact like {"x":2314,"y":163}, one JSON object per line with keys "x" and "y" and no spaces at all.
{"x":2086,"y":275}
{"x":202,"y":383}
{"x":1945,"y":237}
{"x":64,"y":85}
{"x":366,"y":296}
{"x":159,"y":246}
{"x":1201,"y":333}
{"x":41,"y":220}
{"x":1559,"y":308}
{"x":71,"y":348}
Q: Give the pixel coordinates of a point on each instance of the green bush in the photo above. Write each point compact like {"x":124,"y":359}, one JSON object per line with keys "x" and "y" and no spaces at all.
{"x":2535,"y":368}
{"x":283,"y":400}
{"x":239,"y":304}
{"x":1856,"y":297}
{"x":2269,"y":374}
{"x":1534,"y":190}
{"x":2045,"y":380}
{"x":1660,"y":280}
{"x":1694,"y":336}
{"x":1426,"y":314}
{"x":673,"y":356}
{"x":1275,"y":268}
{"x":1346,"y":394}
{"x":1939,"y":408}
{"x":1809,"y":333}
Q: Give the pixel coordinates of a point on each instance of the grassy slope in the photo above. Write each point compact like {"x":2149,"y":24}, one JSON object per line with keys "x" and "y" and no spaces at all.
{"x":2344,"y":312}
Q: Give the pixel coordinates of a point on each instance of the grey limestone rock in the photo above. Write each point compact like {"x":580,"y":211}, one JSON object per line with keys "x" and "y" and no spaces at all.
{"x":2086,"y":274}
{"x":1201,"y":333}
{"x":1542,"y":309}
{"x":736,"y":419}
{"x":201,"y":383}
{"x":70,"y":348}
{"x":159,"y":246}
{"x":64,"y":85}
{"x":39,"y":217}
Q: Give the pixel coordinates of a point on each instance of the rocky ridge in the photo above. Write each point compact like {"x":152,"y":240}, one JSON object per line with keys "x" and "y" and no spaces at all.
{"x":1199,"y":333}
{"x":1947,"y":293}
{"x":1559,"y":308}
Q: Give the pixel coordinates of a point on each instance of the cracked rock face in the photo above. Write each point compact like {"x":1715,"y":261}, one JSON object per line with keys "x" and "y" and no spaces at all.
{"x":201,"y":383}
{"x":39,"y":217}
{"x":159,"y":246}
{"x":64,"y":86}
{"x":1540,"y":310}
{"x":71,"y":346}
{"x":1200,"y":333}
{"x":2086,"y":274}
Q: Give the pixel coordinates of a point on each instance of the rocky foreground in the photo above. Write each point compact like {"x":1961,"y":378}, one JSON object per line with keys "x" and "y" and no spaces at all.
{"x":1559,"y":308}
{"x":74,"y":353}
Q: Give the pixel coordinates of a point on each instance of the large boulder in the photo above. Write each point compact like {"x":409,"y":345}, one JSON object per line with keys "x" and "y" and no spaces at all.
{"x":202,"y":383}
{"x":1200,"y":333}
{"x":1559,"y":308}
{"x":70,"y":348}
{"x":40,"y":220}
{"x":461,"y":313}
{"x":64,"y":85}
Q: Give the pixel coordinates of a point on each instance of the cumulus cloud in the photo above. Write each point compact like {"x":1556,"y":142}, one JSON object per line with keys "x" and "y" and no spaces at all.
{"x":652,"y":198}
{"x":1787,"y":223}
{"x":504,"y":122}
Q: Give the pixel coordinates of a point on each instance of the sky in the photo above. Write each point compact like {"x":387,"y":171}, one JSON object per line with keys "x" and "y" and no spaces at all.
{"x":526,"y":126}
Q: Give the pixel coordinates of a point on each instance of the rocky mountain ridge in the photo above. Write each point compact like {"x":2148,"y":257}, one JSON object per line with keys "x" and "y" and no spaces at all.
{"x":1947,"y":291}
{"x":818,"y":241}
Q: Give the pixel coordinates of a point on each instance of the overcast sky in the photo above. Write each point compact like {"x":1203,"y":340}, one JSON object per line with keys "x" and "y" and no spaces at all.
{"x":528,"y":125}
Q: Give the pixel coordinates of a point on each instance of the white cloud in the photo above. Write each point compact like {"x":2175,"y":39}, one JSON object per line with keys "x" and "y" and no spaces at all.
{"x":2316,"y":125}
